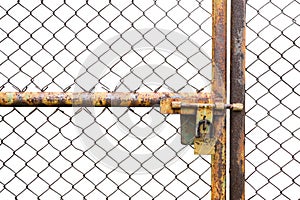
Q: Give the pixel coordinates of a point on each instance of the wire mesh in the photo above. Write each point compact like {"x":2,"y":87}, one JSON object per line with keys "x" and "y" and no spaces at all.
{"x":95,"y":153}
{"x":273,"y":94}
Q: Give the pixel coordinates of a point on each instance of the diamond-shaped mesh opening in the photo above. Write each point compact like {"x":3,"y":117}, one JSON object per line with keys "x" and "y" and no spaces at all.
{"x":272,"y":100}
{"x":97,"y":153}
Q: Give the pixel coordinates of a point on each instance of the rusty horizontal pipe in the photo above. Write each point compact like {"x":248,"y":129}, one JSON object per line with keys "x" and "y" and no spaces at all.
{"x":97,"y":99}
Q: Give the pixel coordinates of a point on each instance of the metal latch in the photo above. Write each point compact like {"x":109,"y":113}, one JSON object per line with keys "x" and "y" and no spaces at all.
{"x":196,"y":118}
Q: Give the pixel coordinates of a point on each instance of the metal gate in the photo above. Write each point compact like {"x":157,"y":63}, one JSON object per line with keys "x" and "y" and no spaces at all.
{"x":103,"y":59}
{"x":111,"y":99}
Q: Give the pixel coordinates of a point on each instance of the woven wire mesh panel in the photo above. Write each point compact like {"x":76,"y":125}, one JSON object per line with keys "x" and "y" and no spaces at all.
{"x":273,"y":96}
{"x":95,"y":153}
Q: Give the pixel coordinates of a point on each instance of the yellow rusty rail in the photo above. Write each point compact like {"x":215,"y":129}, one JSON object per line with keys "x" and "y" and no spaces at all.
{"x":219,"y":49}
{"x":97,"y":99}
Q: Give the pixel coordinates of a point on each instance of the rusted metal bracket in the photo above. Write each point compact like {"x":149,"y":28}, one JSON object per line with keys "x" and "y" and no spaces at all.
{"x":196,"y":118}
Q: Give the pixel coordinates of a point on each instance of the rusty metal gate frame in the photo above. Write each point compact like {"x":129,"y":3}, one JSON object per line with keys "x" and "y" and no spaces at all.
{"x":237,"y":93}
{"x":237,"y":87}
{"x":219,"y":54}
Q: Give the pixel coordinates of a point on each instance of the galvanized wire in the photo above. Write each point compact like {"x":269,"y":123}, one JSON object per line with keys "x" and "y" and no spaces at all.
{"x":272,"y":101}
{"x":62,"y":153}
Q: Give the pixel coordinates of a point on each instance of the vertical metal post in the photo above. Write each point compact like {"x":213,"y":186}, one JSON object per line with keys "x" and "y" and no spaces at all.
{"x":219,"y":19}
{"x":237,"y":94}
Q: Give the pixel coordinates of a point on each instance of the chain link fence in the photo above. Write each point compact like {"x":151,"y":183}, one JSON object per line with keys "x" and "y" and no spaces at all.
{"x":272,"y":100}
{"x":97,"y":153}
